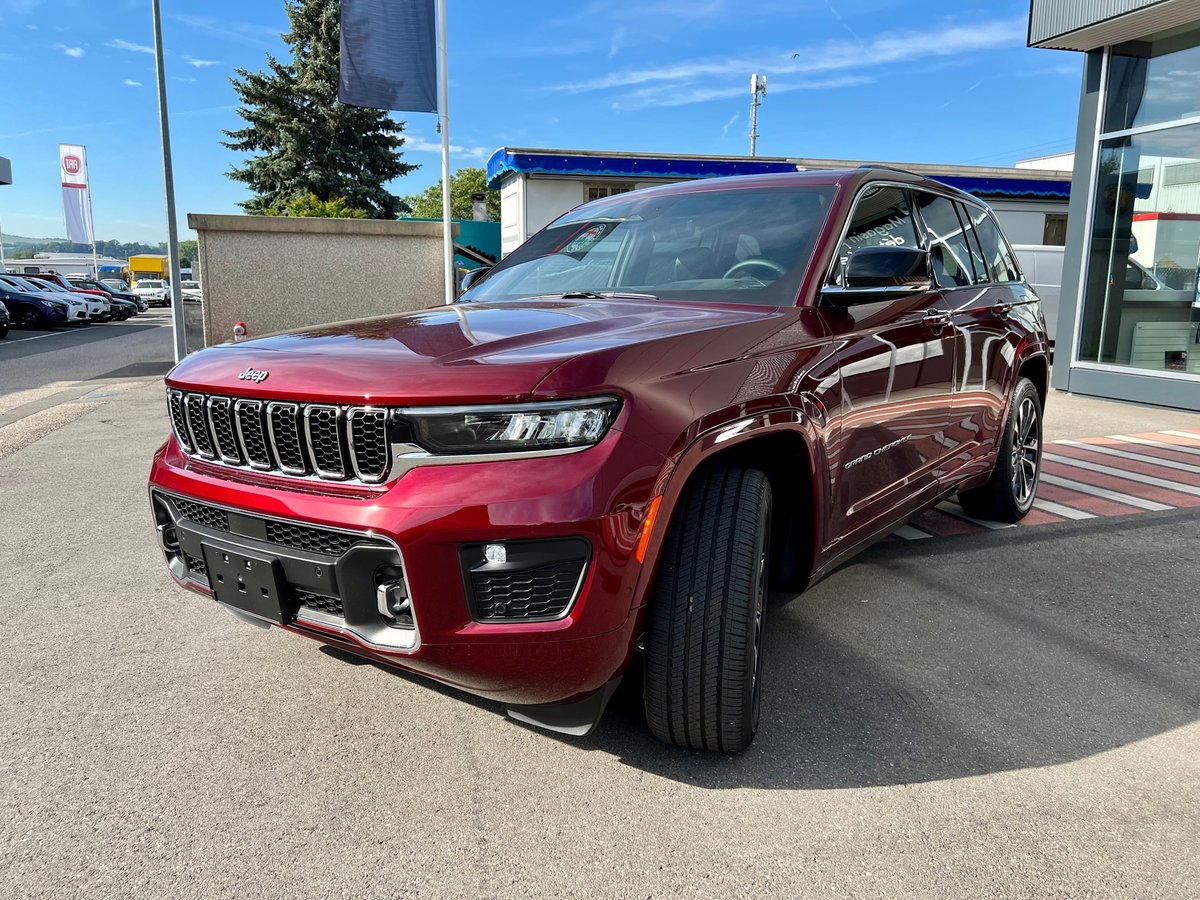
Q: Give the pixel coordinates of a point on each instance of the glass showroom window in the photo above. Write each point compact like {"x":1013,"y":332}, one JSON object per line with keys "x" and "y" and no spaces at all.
{"x":1141,"y":299}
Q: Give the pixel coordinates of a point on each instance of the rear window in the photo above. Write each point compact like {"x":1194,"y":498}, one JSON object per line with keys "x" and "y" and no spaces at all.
{"x":999,"y":257}
{"x":743,"y":245}
{"x":949,"y":245}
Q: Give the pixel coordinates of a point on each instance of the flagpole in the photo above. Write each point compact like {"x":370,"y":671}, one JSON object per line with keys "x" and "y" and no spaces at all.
{"x":91,"y":221}
{"x":444,"y":128}
{"x":177,"y":326}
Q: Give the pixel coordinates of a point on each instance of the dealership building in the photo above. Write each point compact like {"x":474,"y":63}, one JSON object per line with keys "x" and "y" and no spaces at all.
{"x":1135,"y":204}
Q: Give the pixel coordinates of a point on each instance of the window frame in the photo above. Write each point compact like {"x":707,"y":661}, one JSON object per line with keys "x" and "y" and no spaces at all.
{"x":968,"y":232}
{"x":907,"y":189}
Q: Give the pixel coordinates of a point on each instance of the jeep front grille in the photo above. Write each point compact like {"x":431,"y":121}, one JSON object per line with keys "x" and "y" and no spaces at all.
{"x":334,"y":443}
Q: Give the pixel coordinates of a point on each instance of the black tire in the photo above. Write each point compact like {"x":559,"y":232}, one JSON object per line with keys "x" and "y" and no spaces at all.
{"x":3,"y":331}
{"x":704,"y":626}
{"x":26,"y":318}
{"x":1009,"y":493}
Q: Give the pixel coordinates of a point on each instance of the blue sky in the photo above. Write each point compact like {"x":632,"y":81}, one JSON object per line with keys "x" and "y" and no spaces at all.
{"x":932,"y":81}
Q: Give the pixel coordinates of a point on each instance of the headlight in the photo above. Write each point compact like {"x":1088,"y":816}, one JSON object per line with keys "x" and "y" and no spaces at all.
{"x":563,"y":424}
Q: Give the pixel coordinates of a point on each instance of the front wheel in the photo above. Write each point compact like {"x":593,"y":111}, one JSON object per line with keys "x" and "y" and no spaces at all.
{"x":704,"y":627}
{"x":26,"y":318}
{"x":1009,"y":493}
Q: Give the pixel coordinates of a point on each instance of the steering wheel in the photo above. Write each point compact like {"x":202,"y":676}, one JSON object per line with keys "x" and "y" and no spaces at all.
{"x":774,"y":267}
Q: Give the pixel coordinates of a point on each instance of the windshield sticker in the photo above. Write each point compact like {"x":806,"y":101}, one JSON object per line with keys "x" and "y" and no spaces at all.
{"x":584,"y":241}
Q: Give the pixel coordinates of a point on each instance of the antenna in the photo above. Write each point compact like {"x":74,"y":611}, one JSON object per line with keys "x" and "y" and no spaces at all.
{"x":758,"y":89}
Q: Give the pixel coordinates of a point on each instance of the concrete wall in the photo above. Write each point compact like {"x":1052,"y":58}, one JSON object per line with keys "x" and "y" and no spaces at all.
{"x":280,"y":273}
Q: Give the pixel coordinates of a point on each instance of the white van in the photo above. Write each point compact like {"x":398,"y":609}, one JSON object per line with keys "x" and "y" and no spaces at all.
{"x":1043,"y":267}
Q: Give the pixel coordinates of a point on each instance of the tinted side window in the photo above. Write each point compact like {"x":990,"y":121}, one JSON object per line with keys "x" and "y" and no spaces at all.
{"x":982,"y":275}
{"x":995,"y":248}
{"x":881,"y":218}
{"x":948,"y":248}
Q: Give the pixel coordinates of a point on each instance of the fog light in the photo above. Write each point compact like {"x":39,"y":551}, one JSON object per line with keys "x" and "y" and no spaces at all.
{"x":495,"y":553}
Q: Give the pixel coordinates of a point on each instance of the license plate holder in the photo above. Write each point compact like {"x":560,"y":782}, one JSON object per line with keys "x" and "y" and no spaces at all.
{"x":251,"y":582}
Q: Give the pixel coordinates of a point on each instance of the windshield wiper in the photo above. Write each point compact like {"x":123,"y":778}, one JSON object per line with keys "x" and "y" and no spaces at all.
{"x":594,"y":295}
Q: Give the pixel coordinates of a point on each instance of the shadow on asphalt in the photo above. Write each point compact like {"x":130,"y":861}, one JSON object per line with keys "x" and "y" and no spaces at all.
{"x":959,"y":658}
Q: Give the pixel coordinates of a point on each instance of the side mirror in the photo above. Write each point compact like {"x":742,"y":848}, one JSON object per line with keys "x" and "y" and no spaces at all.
{"x":473,"y":277}
{"x":877,"y":273}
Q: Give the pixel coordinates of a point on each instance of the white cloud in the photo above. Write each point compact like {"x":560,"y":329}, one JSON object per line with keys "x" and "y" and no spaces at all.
{"x":73,"y":52}
{"x":229,"y":30}
{"x":418,"y":144}
{"x":683,"y":94}
{"x":129,"y":82}
{"x":698,"y":80}
{"x":184,"y":80}
{"x":201,"y":63}
{"x":31,"y":28}
{"x":725,"y":128}
{"x":118,"y":44}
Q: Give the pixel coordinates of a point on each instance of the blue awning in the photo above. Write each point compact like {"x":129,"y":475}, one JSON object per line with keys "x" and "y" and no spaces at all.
{"x":504,"y":162}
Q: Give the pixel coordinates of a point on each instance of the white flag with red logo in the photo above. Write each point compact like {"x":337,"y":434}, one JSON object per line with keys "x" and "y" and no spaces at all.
{"x":77,"y":205}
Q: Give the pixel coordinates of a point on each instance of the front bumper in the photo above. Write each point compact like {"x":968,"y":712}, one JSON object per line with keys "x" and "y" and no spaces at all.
{"x":424,"y":519}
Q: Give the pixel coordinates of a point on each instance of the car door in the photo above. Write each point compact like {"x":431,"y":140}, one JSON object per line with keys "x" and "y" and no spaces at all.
{"x":963,"y":277}
{"x":896,"y":361}
{"x":991,"y":319}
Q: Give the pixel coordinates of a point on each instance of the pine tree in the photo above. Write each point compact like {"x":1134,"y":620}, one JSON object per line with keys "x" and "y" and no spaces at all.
{"x":306,"y":142}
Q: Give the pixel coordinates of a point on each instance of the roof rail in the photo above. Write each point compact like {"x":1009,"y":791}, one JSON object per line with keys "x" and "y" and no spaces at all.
{"x":887,"y":168}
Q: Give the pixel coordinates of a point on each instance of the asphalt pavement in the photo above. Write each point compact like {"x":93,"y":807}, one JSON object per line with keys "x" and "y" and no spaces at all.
{"x":1008,"y":713}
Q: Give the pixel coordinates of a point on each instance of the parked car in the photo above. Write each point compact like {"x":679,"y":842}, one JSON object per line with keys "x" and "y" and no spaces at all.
{"x":117,"y":311}
{"x":659,"y":407}
{"x":78,"y":307}
{"x":156,"y":293}
{"x":136,"y":302}
{"x":30,"y":311}
{"x":4,"y":321}
{"x":191,"y":290}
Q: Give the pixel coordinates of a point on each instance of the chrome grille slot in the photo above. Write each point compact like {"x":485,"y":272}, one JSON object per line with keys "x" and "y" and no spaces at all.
{"x":252,"y":433}
{"x":197,"y":424}
{"x":179,"y":420}
{"x":224,"y":436}
{"x":283,"y":424}
{"x":313,"y":440}
{"x":323,"y":432}
{"x":370,"y":452}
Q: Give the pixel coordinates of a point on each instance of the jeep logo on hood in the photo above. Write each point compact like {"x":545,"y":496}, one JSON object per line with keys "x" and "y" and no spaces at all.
{"x":258,"y":376}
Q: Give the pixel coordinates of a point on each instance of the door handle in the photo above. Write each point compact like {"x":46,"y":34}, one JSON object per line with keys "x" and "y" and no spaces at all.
{"x":1003,"y":309}
{"x":936,"y":319}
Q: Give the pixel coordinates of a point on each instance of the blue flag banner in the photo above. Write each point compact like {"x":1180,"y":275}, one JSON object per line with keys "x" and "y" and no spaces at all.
{"x":389,"y":54}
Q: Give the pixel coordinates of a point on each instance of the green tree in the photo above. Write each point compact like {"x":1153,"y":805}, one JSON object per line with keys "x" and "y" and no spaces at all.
{"x":189,"y":251}
{"x":463,"y":183}
{"x":311,"y":206}
{"x":301,"y":139}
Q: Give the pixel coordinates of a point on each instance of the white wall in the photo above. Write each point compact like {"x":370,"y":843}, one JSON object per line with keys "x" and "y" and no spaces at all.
{"x":512,"y":214}
{"x":1024,"y":221}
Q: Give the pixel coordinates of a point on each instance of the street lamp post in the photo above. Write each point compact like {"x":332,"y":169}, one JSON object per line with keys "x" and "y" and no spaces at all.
{"x":169,"y":187}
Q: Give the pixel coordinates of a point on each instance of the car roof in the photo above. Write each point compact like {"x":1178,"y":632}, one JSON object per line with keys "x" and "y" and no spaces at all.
{"x":851,"y":179}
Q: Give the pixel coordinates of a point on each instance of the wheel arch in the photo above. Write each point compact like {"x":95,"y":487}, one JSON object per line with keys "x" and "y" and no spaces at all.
{"x":1037,"y":369}
{"x":785,"y":447}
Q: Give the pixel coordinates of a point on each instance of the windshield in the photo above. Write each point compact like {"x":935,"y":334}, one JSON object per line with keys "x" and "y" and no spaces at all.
{"x":745,"y":245}
{"x":150,"y":284}
{"x":190,"y":285}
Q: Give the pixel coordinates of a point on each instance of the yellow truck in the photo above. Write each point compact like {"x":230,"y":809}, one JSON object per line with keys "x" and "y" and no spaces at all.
{"x":152,"y":267}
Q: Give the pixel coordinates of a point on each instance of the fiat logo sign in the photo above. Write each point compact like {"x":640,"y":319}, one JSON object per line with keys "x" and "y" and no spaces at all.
{"x":72,"y":165}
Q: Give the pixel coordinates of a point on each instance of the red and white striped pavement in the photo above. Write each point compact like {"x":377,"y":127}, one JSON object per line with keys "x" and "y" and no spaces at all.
{"x":1091,"y":478}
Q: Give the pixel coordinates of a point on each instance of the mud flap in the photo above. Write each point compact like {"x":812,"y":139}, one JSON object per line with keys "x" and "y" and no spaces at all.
{"x":579,"y":718}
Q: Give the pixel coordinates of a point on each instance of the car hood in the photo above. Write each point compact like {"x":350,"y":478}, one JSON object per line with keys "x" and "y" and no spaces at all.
{"x":460,"y":353}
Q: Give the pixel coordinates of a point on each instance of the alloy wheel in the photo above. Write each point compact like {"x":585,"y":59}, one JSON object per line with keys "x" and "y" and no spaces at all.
{"x":1026,"y":452}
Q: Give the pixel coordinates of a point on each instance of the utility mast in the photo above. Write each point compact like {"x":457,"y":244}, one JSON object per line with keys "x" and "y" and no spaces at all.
{"x":758,"y":90}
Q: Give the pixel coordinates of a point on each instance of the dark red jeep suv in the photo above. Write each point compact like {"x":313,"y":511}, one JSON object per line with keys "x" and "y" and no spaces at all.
{"x":661,"y":405}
